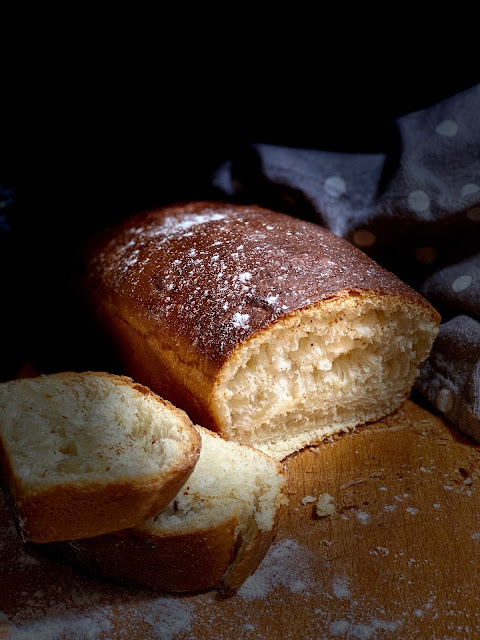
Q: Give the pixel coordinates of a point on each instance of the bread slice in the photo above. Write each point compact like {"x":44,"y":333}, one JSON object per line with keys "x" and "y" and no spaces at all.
{"x":270,"y":330}
{"x":215,"y":531}
{"x":87,"y":453}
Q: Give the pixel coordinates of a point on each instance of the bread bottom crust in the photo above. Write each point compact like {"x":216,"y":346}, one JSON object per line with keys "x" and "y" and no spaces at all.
{"x":178,"y":563}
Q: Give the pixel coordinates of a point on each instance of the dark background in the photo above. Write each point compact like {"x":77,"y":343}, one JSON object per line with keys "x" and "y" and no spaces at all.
{"x":111,"y":108}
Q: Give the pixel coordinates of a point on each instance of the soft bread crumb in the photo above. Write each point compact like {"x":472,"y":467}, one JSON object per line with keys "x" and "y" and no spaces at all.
{"x":228,"y":478}
{"x":89,"y":453}
{"x":325,"y":370}
{"x":84,"y":426}
{"x":324,"y":506}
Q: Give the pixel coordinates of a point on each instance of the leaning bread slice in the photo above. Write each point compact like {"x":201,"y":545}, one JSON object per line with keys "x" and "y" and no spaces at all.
{"x":216,"y":530}
{"x":87,"y":453}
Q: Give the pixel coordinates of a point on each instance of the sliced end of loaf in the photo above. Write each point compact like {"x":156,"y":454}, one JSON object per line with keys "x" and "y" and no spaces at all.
{"x":325,"y":369}
{"x":87,"y":453}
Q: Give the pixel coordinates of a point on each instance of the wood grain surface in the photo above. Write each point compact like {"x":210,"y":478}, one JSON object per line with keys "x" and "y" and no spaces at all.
{"x":397,"y":559}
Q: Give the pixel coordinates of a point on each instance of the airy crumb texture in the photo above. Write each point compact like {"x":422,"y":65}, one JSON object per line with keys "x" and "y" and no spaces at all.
{"x":90,"y":441}
{"x":348,"y":361}
{"x":228,"y":478}
{"x":56,"y":427}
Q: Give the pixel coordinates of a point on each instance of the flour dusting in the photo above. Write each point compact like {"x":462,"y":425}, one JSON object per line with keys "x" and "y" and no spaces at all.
{"x":286,"y":564}
{"x":340,"y":587}
{"x":362,"y":631}
{"x":167,"y":617}
{"x":52,"y":602}
{"x":58,"y":621}
{"x":363,"y":516}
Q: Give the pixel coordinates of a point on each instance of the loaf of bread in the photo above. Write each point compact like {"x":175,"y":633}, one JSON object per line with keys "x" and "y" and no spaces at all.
{"x":214,"y":532}
{"x":267,"y":329}
{"x":83,"y":454}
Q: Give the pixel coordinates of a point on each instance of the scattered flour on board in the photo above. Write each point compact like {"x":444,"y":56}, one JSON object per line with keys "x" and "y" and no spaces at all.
{"x":363,"y":517}
{"x":86,"y":615}
{"x":167,"y":617}
{"x":54,"y":602}
{"x":340,"y":587}
{"x":57,"y":621}
{"x":362,"y":631}
{"x":286,"y":564}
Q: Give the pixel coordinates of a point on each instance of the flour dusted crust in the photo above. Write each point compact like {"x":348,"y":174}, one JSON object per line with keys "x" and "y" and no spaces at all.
{"x":184,"y":292}
{"x":54,"y":505}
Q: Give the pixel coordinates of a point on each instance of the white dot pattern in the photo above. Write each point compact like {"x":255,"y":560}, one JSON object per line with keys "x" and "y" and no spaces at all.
{"x":335,"y":186}
{"x":469,"y":188}
{"x":447,"y":128}
{"x":418,"y":200}
{"x":364,"y":238}
{"x":444,"y":400}
{"x":414,"y":206}
{"x":461,"y":283}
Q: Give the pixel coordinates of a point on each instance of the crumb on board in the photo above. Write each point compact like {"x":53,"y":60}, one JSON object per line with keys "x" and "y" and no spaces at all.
{"x":353,"y":482}
{"x":324,"y":506}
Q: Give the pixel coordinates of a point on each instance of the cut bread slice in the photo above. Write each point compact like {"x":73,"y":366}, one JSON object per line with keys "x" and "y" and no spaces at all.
{"x":87,"y":453}
{"x":215,"y":531}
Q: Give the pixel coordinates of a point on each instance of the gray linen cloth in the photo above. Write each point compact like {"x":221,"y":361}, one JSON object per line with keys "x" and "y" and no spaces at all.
{"x":414,"y":208}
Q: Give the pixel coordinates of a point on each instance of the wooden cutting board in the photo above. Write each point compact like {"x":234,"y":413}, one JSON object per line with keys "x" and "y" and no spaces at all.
{"x":397,"y":559}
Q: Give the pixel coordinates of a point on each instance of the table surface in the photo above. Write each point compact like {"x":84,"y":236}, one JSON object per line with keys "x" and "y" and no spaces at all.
{"x":397,"y":559}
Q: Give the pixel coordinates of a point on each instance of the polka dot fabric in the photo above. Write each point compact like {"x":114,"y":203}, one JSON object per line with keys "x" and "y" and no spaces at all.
{"x":414,"y":208}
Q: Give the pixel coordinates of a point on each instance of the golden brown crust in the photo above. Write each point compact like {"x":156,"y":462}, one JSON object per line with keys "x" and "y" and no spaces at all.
{"x":86,"y":508}
{"x":254,"y":546}
{"x":71,"y":511}
{"x":177,"y":562}
{"x":185,"y":562}
{"x":179,"y":266}
{"x":189,"y":558}
{"x":183,"y":286}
